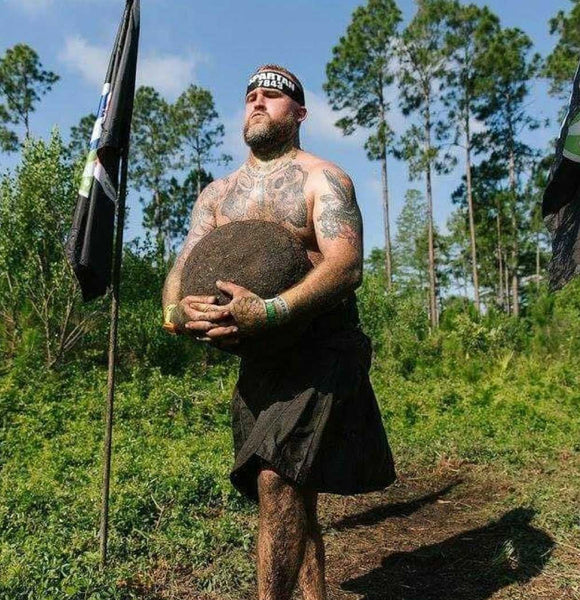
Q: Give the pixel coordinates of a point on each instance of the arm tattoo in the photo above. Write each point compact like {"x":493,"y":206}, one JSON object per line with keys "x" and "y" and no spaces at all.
{"x":340,"y":216}
{"x":202,"y":221}
{"x":203,"y":213}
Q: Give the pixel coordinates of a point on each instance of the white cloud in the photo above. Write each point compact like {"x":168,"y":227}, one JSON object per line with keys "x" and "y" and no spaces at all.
{"x":321,"y":120}
{"x":31,"y":6}
{"x":90,"y":61}
{"x":320,"y":123}
{"x":168,"y":73}
{"x":476,"y":125}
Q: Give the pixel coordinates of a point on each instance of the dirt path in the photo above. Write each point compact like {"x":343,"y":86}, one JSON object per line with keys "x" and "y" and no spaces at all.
{"x":444,"y":535}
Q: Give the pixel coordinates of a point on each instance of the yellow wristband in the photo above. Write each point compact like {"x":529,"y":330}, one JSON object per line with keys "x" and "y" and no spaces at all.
{"x":167,"y":312}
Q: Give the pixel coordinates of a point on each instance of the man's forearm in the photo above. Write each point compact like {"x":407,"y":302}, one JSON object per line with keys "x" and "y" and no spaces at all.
{"x":323,"y":287}
{"x":171,"y":288}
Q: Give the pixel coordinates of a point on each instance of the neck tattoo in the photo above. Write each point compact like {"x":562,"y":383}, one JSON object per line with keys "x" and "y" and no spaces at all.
{"x":260,"y":171}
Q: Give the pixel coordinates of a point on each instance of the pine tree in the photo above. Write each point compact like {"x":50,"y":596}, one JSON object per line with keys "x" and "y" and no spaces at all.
{"x":469,"y":29}
{"x":411,"y":253}
{"x":199,"y":131}
{"x":154,"y":148}
{"x":562,"y":62}
{"x":423,"y":59}
{"x":80,"y":137}
{"x":508,"y":68}
{"x":358,"y":78}
{"x":23,"y":82}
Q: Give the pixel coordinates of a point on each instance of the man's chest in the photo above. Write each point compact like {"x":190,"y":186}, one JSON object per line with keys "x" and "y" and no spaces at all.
{"x":280,"y":197}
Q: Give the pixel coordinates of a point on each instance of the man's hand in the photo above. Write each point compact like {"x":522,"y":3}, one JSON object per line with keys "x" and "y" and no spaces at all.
{"x":201,"y":314}
{"x":247,"y":309}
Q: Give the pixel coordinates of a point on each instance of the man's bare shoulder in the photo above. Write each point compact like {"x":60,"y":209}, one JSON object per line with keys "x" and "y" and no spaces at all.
{"x":214,"y":191}
{"x":322,"y":171}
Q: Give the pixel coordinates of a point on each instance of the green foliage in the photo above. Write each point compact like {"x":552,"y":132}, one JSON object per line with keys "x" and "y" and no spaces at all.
{"x":198,"y":128}
{"x":154,"y":144}
{"x":562,"y":62}
{"x":23,"y":82}
{"x":411,"y":243}
{"x":168,"y":138}
{"x":178,"y":200}
{"x":508,"y":67}
{"x":423,"y":57}
{"x":80,"y":137}
{"x":361,"y":71}
{"x":488,"y":389}
{"x":171,"y":499}
{"x":480,"y":390}
{"x":469,"y":29}
{"x":39,"y":302}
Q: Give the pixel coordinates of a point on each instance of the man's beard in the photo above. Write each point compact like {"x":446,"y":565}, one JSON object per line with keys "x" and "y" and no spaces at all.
{"x":267,"y":134}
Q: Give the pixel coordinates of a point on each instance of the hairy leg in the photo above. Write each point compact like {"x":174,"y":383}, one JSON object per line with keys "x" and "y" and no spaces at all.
{"x":311,"y":575}
{"x":282,"y":535}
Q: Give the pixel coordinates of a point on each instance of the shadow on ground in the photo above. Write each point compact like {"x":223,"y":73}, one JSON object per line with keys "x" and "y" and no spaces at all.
{"x":376,"y":514}
{"x":472,"y":565}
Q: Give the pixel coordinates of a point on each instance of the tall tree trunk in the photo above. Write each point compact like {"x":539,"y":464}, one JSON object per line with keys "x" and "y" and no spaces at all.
{"x":198,"y":177}
{"x":506,"y":279}
{"x":538,"y":260}
{"x":159,"y":226}
{"x":514,"y":223}
{"x":198,"y":160}
{"x":500,"y":297}
{"x":385,"y":190}
{"x":26,"y":110}
{"x":471,"y":217}
{"x":432,"y":282}
{"x":388,"y":250}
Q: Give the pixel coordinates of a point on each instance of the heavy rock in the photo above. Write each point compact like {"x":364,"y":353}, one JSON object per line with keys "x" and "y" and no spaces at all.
{"x":263,"y":257}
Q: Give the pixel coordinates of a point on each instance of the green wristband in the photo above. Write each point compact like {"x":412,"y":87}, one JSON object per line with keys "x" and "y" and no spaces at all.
{"x":271,"y":315}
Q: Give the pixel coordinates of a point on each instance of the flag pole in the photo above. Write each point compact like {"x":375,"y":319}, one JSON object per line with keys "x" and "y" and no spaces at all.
{"x":113,"y":336}
{"x":95,"y":245}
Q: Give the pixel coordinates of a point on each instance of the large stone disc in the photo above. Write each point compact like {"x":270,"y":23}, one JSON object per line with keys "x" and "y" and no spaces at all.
{"x":261,"y":256}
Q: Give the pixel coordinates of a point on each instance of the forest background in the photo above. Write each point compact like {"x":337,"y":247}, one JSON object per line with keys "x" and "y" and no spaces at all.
{"x":476,"y":363}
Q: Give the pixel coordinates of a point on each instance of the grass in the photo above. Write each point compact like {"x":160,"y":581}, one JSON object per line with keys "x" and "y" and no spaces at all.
{"x":509,"y":413}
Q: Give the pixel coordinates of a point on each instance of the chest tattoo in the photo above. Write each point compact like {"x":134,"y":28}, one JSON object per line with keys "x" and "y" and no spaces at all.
{"x":277,"y":196}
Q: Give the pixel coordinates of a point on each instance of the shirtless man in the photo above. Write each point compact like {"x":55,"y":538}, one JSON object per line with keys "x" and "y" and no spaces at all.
{"x":315,"y":200}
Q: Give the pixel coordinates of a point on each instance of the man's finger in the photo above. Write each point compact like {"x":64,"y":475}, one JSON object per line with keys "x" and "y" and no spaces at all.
{"x":196,"y":315}
{"x":222,"y":332}
{"x":203,"y":307}
{"x":205,"y":299}
{"x":233,"y":289}
{"x":198,"y":326}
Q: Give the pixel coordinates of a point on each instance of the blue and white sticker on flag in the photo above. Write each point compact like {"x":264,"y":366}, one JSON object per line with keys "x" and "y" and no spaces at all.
{"x":91,"y":162}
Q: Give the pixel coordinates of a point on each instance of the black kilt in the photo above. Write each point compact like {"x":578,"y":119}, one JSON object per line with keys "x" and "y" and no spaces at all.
{"x":313,"y":416}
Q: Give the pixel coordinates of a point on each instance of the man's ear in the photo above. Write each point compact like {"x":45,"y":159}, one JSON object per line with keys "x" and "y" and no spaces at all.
{"x":301,"y":114}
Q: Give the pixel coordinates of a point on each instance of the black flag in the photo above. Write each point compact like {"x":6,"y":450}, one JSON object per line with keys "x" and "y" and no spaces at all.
{"x":89,"y":247}
{"x":561,"y":202}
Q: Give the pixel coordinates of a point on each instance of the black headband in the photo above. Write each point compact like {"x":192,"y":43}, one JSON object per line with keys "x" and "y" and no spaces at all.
{"x":277,"y":81}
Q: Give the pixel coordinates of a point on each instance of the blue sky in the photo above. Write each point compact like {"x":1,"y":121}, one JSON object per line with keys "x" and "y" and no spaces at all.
{"x":217,"y":45}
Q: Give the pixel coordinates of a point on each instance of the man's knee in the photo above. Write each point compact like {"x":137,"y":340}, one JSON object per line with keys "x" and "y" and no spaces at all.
{"x":270,"y":482}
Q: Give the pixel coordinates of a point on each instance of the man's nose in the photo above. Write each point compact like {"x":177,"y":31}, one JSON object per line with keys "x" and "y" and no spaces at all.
{"x":258,"y":100}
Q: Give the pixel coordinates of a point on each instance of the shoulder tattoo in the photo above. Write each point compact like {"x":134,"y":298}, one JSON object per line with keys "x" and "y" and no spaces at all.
{"x":203,"y":213}
{"x":340,"y":216}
